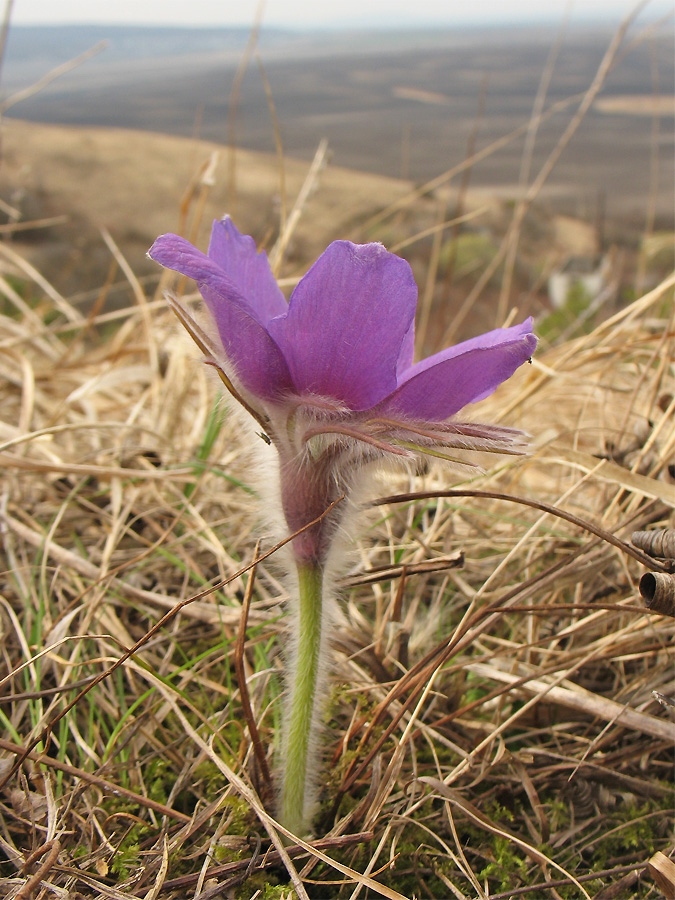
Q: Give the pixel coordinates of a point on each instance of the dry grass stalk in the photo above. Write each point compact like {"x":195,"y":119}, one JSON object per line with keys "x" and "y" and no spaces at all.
{"x":157,"y":519}
{"x":234,"y":103}
{"x":662,"y":870}
{"x":511,"y":238}
{"x":47,"y":79}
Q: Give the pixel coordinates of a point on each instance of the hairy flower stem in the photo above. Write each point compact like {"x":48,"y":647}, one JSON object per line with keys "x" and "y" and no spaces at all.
{"x":296,"y":806}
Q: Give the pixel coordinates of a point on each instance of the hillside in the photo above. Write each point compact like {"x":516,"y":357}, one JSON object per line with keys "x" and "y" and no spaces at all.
{"x":389,"y":102}
{"x":132,"y":183}
{"x":136,"y":185}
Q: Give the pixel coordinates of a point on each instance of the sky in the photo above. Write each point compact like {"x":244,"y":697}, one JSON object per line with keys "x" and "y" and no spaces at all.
{"x":322,"y":13}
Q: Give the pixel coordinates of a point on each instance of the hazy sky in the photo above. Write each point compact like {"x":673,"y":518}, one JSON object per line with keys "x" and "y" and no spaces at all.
{"x":295,"y":13}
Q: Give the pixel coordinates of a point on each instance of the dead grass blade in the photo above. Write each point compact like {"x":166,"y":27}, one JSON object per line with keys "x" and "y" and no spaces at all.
{"x":166,"y":618}
{"x":481,"y":819}
{"x":318,"y":163}
{"x":51,"y":76}
{"x":258,"y":749}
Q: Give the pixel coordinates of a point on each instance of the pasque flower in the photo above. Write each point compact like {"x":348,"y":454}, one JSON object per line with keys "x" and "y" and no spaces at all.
{"x":330,"y":379}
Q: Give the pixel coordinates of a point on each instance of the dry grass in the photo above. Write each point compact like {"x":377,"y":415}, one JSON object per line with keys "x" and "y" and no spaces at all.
{"x":493,"y":726}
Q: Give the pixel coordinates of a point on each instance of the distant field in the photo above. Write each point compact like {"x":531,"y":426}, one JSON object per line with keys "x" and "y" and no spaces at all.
{"x":406,"y":108}
{"x":131,"y":183}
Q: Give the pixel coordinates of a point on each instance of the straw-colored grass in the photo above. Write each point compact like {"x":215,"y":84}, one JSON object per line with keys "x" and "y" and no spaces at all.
{"x":493,"y":727}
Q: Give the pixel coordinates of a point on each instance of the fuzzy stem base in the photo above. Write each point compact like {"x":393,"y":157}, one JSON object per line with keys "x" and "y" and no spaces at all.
{"x":296,"y":806}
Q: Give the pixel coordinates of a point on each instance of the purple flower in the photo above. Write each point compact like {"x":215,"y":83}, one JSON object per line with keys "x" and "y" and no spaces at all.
{"x":330,"y":375}
{"x":330,"y":379}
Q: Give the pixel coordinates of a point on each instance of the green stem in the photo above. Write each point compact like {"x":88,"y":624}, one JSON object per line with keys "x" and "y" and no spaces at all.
{"x":296,"y":806}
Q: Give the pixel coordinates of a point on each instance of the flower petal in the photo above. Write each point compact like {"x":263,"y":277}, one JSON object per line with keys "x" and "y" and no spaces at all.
{"x":407,"y":352}
{"x":238,"y":257}
{"x":438,"y":387}
{"x":174,"y":252}
{"x":346,"y":324}
{"x":257,"y":361}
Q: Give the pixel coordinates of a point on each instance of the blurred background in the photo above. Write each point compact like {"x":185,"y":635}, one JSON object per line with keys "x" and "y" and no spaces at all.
{"x":462,"y":107}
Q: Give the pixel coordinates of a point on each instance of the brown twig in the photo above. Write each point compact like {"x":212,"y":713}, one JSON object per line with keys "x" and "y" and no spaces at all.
{"x":95,"y":780}
{"x":50,"y":851}
{"x":391,"y":573}
{"x":271,"y":858}
{"x":563,"y":882}
{"x":602,"y":533}
{"x":258,"y":749}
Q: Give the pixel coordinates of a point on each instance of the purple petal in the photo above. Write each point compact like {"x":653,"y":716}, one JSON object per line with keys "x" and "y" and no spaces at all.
{"x":438,"y":387}
{"x":247,"y":279}
{"x":347,"y":322}
{"x":258,"y":363}
{"x":174,"y":252}
{"x":407,"y":353}
{"x":238,"y":257}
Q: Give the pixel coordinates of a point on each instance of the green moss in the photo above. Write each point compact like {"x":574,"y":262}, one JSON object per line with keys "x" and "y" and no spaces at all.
{"x":159,"y":779}
{"x":629,"y":829}
{"x":265,"y":886}
{"x":508,"y":867}
{"x":476,"y":689}
{"x":226,"y":854}
{"x":127,"y":853}
{"x":241,"y":819}
{"x":571,"y":892}
{"x":557,"y":812}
